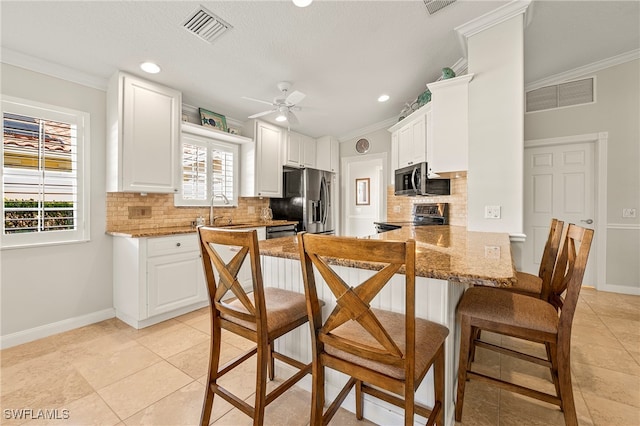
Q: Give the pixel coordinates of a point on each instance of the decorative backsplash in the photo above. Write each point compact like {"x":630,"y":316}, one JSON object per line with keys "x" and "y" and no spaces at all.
{"x":130,"y":211}
{"x":399,"y":208}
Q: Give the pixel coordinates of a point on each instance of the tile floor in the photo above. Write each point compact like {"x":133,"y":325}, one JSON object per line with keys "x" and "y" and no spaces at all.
{"x":111,"y":374}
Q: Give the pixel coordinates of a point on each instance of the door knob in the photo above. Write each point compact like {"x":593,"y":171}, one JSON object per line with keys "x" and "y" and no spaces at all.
{"x":588,"y":221}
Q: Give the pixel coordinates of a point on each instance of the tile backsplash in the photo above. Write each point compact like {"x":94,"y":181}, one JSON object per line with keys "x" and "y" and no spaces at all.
{"x":130,"y":211}
{"x":400,"y":208}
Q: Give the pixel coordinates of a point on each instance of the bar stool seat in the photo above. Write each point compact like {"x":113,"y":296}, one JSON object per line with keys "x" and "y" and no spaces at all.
{"x":528,"y":283}
{"x":429,"y":334}
{"x":284,"y":307}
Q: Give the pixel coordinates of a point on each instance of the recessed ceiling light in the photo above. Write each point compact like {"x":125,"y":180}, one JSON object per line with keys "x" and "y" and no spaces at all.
{"x":383,"y":98}
{"x":302,"y":3}
{"x":150,"y":67}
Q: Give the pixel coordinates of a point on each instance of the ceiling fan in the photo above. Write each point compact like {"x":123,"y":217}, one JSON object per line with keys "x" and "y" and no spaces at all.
{"x":283,"y":104}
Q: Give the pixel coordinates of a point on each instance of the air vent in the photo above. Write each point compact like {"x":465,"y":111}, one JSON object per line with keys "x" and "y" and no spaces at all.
{"x":206,"y":25}
{"x":561,"y":95}
{"x":435,"y":5}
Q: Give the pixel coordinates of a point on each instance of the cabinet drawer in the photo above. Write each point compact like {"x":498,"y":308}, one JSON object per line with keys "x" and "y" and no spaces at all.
{"x":172,"y":245}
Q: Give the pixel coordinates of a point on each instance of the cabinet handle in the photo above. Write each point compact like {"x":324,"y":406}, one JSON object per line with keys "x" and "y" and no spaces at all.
{"x":178,"y":244}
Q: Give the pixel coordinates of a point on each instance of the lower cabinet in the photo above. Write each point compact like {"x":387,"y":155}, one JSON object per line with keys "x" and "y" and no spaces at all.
{"x":157,"y":278}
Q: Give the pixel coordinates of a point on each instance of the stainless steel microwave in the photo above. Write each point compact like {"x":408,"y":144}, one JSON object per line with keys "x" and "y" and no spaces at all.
{"x":413,"y":180}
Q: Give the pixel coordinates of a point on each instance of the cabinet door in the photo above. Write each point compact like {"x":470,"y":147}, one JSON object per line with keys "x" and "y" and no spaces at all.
{"x":308,"y":151}
{"x":412,"y":142}
{"x":293,"y":150}
{"x":268,"y":160}
{"x":150,"y":137}
{"x":174,"y":281}
{"x":328,"y":154}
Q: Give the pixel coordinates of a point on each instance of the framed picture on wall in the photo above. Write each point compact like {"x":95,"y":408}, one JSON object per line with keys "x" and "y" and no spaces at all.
{"x":212,"y":119}
{"x":362,"y":192}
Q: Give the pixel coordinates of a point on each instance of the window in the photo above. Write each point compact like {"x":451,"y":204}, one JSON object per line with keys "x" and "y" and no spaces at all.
{"x":44,"y":150}
{"x":209,"y":167}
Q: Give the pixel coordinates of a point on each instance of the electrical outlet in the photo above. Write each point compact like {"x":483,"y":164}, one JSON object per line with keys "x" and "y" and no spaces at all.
{"x":492,"y":212}
{"x":251,"y":210}
{"x":396,"y":209}
{"x":628,"y":212}
{"x":492,"y":252}
{"x":139,"y":212}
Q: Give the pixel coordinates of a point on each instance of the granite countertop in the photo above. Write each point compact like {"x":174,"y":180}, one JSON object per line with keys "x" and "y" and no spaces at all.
{"x":173,"y":230}
{"x":443,"y":252}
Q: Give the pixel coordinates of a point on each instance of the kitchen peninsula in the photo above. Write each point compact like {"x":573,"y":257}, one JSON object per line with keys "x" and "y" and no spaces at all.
{"x":448,"y":260}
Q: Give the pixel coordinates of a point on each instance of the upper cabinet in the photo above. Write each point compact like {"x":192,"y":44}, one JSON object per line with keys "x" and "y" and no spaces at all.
{"x":261,"y":161}
{"x":143,"y":134}
{"x":409,"y":139}
{"x":328,"y":154}
{"x":449,"y":126}
{"x":300,"y":150}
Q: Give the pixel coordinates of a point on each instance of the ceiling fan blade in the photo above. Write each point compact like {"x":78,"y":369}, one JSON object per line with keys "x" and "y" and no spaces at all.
{"x":291,"y":118}
{"x":260,"y":114}
{"x":258,"y":100}
{"x":295,"y":97}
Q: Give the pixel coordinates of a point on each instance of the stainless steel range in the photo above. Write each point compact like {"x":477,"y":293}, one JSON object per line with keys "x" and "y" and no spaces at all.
{"x":422,"y":215}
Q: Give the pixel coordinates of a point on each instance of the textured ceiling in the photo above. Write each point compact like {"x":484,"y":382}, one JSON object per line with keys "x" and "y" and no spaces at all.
{"x":341,"y":54}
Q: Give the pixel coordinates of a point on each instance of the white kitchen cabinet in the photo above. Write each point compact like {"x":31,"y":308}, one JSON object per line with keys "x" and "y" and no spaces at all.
{"x":143,"y":135}
{"x":261,"y":162}
{"x":245,"y":277}
{"x":300,"y":150}
{"x":328,"y":154}
{"x":157,"y":278}
{"x":411,"y":134}
{"x":449,"y":147}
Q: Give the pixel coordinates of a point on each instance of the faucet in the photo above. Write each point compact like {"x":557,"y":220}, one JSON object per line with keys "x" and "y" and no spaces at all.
{"x":213,"y":197}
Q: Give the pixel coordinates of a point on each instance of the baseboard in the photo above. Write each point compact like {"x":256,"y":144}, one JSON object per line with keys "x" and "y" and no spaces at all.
{"x":138,"y":324}
{"x":613,"y":288}
{"x":386,"y":414}
{"x":47,"y":330}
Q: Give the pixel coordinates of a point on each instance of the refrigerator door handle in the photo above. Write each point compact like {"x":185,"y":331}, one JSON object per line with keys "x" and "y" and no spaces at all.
{"x":325,"y":197}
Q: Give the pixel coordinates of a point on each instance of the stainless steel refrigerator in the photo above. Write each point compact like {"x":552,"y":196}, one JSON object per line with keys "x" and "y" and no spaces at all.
{"x":306,"y":199}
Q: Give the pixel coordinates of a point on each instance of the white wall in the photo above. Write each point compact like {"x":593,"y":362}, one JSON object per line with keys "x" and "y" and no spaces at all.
{"x":496,"y":127}
{"x":616,"y":111}
{"x":59,"y":286}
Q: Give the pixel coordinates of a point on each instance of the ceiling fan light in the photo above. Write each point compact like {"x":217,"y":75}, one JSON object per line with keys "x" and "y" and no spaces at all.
{"x":302,"y":3}
{"x":281,"y":117}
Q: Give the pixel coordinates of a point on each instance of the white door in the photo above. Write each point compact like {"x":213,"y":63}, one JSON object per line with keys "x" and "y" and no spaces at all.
{"x":558,"y":182}
{"x":364,"y":187}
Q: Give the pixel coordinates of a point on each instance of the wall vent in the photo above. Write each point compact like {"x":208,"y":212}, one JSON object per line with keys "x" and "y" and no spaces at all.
{"x":561,"y":95}
{"x":206,"y":25}
{"x":435,"y":5}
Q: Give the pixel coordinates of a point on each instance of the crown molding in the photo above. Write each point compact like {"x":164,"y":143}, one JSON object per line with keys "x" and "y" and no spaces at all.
{"x":368,"y":129}
{"x":52,"y":69}
{"x":490,"y":19}
{"x":584,"y":70}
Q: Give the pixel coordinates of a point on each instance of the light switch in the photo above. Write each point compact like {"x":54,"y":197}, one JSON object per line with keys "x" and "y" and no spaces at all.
{"x":492,"y":212}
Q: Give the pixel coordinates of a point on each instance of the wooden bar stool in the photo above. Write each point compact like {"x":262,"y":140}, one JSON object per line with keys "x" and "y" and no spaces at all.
{"x":261,"y":316}
{"x":538,"y":285}
{"x":387,"y":354}
{"x":528,"y":318}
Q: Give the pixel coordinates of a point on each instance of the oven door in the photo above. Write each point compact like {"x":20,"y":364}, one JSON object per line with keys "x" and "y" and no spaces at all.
{"x":281,"y":231}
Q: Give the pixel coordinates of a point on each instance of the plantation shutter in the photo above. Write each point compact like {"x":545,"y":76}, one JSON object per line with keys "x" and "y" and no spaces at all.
{"x":209,"y":169}
{"x":40,"y":175}
{"x":194,"y":172}
{"x":222,"y":172}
